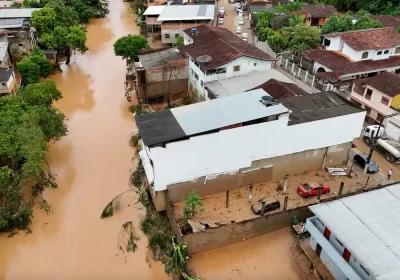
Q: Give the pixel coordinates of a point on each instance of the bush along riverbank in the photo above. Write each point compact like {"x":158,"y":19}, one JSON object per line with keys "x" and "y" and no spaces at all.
{"x":154,"y":225}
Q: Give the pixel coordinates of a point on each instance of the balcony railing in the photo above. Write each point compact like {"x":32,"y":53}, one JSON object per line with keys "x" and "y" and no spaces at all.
{"x":359,"y":90}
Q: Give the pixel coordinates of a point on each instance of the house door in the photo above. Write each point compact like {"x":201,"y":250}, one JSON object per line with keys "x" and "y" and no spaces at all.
{"x":327,"y":233}
{"x":346,"y":254}
{"x":318,"y":250}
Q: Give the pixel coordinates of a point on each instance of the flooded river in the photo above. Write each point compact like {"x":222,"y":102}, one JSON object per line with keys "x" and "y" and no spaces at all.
{"x":93,"y":164}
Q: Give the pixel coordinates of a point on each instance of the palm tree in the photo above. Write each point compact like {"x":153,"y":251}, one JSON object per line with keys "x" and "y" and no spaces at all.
{"x":294,"y":6}
{"x":295,"y":20}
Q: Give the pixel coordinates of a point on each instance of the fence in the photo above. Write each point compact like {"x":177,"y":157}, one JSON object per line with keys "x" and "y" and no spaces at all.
{"x":293,"y":65}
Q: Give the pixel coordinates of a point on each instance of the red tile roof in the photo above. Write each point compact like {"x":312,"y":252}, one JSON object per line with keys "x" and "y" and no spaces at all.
{"x":388,"y":21}
{"x":341,"y":65}
{"x":385,"y":82}
{"x":370,"y":39}
{"x":279,"y":90}
{"x":221,"y":44}
{"x":319,"y":11}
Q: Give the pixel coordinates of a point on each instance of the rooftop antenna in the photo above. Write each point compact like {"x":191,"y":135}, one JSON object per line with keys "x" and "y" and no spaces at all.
{"x":203,"y":59}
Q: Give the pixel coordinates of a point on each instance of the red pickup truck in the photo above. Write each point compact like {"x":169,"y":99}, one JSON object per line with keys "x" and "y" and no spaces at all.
{"x":311,"y":189}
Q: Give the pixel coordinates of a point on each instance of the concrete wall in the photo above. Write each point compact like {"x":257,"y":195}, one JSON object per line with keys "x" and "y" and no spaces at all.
{"x":205,"y":186}
{"x":233,"y":233}
{"x":306,"y":161}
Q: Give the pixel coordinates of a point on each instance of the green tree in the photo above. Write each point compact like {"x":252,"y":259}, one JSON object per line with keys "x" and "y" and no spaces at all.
{"x":304,"y":37}
{"x":66,"y":40}
{"x":277,"y":42}
{"x":330,"y":25}
{"x":293,"y":6}
{"x":345,"y":24}
{"x":296,"y":19}
{"x":192,"y":205}
{"x":179,"y":41}
{"x":29,"y":70}
{"x":280,"y":21}
{"x":365,"y":22}
{"x":65,"y":15}
{"x":44,"y":20}
{"x":264,"y":33}
{"x":27,"y":123}
{"x":33,"y":67}
{"x":129,"y":46}
{"x":263,"y":20}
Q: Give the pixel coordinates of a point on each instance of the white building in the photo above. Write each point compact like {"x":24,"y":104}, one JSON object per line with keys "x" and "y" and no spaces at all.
{"x":358,"y":237}
{"x":175,"y":18}
{"x":377,"y":95}
{"x":233,"y":141}
{"x":7,"y":81}
{"x":356,"y":54}
{"x":216,"y":53}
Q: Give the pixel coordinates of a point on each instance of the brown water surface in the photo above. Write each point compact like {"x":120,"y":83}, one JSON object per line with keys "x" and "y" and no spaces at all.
{"x":93,"y":164}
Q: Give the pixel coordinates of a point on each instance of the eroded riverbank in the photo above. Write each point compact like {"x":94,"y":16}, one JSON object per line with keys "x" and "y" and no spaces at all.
{"x":93,"y":164}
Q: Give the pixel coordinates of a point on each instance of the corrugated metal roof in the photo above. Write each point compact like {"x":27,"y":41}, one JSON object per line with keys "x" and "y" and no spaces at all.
{"x":187,"y":12}
{"x":368,"y":225}
{"x":154,"y":10}
{"x":17,"y":13}
{"x":222,"y":112}
{"x":11,"y":23}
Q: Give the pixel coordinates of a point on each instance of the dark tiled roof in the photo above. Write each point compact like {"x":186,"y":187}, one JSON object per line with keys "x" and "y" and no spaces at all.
{"x":319,"y":11}
{"x":385,"y":82}
{"x":367,"y":39}
{"x":318,"y":106}
{"x":279,"y":90}
{"x":388,"y":21}
{"x":159,"y":127}
{"x":343,"y":66}
{"x":221,"y":44}
{"x":327,"y":76}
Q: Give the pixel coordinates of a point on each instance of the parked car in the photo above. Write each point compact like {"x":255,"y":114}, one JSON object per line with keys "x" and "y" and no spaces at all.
{"x":361,"y":160}
{"x":220,"y":20}
{"x":245,"y":37}
{"x":231,"y":1}
{"x":238,"y":30}
{"x":271,"y":203}
{"x":240,"y":14}
{"x":222,"y":10}
{"x":239,"y":10}
{"x":238,"y":6}
{"x":240,"y":21}
{"x":311,"y":189}
{"x":221,"y":15}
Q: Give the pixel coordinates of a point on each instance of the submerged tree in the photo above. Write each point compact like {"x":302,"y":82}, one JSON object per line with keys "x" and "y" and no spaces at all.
{"x":193,"y":204}
{"x":129,"y":46}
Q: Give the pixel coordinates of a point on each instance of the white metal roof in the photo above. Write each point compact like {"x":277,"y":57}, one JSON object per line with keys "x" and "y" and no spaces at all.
{"x":187,"y":12}
{"x":233,"y":149}
{"x":368,"y":225}
{"x":17,"y":13}
{"x":217,"y":113}
{"x":154,"y":10}
{"x":245,"y":82}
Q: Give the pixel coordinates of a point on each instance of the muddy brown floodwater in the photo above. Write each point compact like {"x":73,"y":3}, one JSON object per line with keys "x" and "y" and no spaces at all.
{"x":93,"y":164}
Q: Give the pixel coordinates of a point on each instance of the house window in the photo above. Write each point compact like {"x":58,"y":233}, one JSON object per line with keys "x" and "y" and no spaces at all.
{"x":397,"y":50}
{"x":368,"y":110}
{"x":196,"y":76}
{"x":379,"y":53}
{"x":191,"y":71}
{"x":255,"y":63}
{"x":177,"y":35}
{"x":166,"y":36}
{"x":236,"y":68}
{"x":327,"y":42}
{"x":385,"y":100}
{"x":364,"y":269}
{"x":379,"y":117}
{"x":386,"y":52}
{"x":364,"y":55}
{"x":201,"y":83}
{"x":221,"y":70}
{"x":368,"y":94}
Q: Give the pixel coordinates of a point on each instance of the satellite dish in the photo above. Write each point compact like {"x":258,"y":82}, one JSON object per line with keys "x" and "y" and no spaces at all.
{"x":203,"y":59}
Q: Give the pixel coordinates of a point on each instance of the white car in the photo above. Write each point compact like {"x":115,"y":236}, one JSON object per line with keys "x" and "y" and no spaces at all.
{"x":238,"y":30}
{"x":240,"y":14}
{"x":240,"y":21}
{"x":245,"y":37}
{"x":231,"y":1}
{"x":238,"y":6}
{"x":220,"y":20}
{"x":222,"y":10}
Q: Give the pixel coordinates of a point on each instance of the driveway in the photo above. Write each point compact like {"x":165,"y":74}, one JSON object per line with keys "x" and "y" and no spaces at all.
{"x":230,"y":20}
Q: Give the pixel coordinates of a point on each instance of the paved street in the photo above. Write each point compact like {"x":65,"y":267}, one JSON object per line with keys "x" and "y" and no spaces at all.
{"x":230,"y":20}
{"x":384,"y":165}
